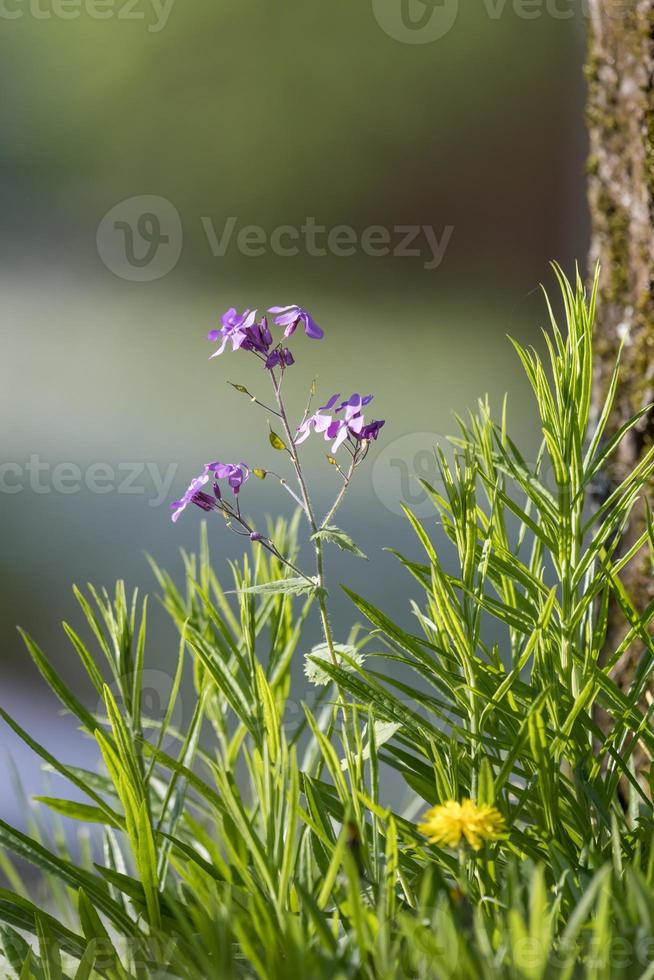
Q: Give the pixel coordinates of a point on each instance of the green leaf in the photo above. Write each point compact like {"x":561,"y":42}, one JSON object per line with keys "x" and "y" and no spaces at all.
{"x":38,"y":855}
{"x":283,"y":586}
{"x":78,"y":811}
{"x":277,"y":442}
{"x":14,"y":947}
{"x":334,"y":535}
{"x":87,"y":962}
{"x":90,"y":921}
{"x":55,"y":683}
{"x":50,"y":955}
{"x":23,"y":914}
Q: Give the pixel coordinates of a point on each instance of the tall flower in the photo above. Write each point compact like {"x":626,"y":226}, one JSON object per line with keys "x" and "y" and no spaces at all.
{"x":447,"y":824}
{"x":352,"y":425}
{"x":331,"y":428}
{"x":290,"y":316}
{"x":236,"y":474}
{"x":195,"y":495}
{"x":233,"y":330}
{"x":244,"y":332}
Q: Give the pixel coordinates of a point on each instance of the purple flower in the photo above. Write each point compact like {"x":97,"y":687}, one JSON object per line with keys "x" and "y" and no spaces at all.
{"x":255,"y":536}
{"x":335,"y":429}
{"x":352,"y":424}
{"x":195,"y":495}
{"x":234,"y":329}
{"x":289,"y":317}
{"x":353,"y":405}
{"x":371,"y":431}
{"x":236,"y":474}
{"x":258,"y":337}
{"x":244,"y":333}
{"x":280,"y":355}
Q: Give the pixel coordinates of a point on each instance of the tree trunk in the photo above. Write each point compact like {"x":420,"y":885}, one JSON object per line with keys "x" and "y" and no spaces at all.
{"x":620,"y":75}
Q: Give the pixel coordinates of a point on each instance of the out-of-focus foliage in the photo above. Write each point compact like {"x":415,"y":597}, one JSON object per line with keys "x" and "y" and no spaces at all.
{"x":273,"y":112}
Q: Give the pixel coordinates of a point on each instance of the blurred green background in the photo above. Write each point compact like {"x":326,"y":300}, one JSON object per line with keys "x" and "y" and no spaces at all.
{"x":266,"y":114}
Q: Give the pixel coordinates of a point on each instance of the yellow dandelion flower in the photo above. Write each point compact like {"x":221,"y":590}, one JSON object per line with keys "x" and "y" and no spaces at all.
{"x":447,"y":824}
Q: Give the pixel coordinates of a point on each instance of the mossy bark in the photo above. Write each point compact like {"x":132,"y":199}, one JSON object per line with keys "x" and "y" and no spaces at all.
{"x":620,"y":76}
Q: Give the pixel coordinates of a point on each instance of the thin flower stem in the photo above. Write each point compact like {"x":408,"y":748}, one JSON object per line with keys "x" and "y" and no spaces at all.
{"x":347,"y":477}
{"x":253,"y":398}
{"x":268,"y":408}
{"x":312,"y":391}
{"x":286,"y":487}
{"x":320,"y":564}
{"x":266,"y":542}
{"x":320,"y":567}
{"x":272,"y":548}
{"x":292,"y":450}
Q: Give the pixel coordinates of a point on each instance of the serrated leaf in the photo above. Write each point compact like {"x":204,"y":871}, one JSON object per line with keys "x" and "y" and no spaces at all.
{"x":285,"y":586}
{"x":334,"y":535}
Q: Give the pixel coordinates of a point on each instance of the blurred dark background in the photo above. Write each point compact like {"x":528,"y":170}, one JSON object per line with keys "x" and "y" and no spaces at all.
{"x":140,"y":140}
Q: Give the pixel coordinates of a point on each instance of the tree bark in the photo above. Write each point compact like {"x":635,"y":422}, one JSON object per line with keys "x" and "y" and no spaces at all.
{"x":620,"y":76}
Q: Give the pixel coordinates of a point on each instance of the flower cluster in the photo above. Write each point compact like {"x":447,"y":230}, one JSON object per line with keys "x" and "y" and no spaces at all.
{"x":447,"y":824}
{"x":341,"y":422}
{"x":351,"y":423}
{"x":236,"y":475}
{"x":244,"y":332}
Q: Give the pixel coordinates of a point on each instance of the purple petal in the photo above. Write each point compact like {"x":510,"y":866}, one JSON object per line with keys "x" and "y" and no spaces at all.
{"x":340,"y":438}
{"x":330,"y":404}
{"x":311,"y":328}
{"x":303,"y":432}
{"x":291,"y":328}
{"x":222,"y":470}
{"x":218,"y":352}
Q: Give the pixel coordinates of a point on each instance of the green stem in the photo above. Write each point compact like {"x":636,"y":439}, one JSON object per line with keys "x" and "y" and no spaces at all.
{"x":306,"y":500}
{"x":318,"y":547}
